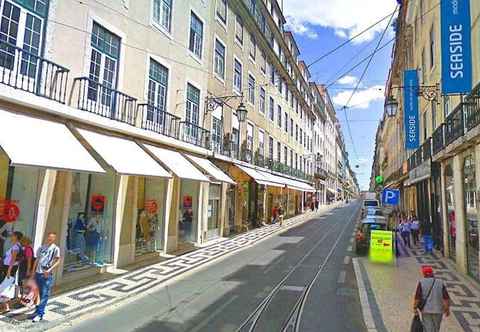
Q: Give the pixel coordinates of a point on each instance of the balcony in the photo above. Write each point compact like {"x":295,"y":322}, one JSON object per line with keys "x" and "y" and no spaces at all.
{"x":320,"y":172}
{"x":156,"y":120}
{"x":472,"y":109}
{"x":454,"y":124}
{"x":191,"y":133}
{"x":426,"y":150}
{"x":246,"y":154}
{"x":438,"y":139}
{"x":26,"y":71}
{"x":259,"y":158}
{"x":99,"y":99}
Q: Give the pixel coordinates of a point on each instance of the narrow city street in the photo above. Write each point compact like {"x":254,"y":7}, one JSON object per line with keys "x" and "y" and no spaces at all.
{"x":302,"y":279}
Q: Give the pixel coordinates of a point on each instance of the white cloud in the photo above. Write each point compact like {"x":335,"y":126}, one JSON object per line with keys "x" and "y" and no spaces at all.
{"x":345,"y":17}
{"x":301,"y":28}
{"x":361,"y":99}
{"x":347,"y":80}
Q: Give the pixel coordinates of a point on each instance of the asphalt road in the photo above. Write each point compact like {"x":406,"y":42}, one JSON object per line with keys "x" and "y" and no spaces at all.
{"x":300,"y":280}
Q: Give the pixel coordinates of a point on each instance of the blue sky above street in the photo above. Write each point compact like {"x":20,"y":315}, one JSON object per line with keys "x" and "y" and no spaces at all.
{"x":321,"y":25}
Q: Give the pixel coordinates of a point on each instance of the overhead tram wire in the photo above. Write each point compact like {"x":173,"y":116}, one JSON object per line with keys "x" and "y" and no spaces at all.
{"x":362,"y":77}
{"x":323,"y":56}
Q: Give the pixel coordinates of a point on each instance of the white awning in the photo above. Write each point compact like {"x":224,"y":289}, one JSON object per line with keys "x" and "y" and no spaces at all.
{"x":177,"y":163}
{"x":290,"y":183}
{"x":211,"y":169}
{"x":259,"y":177}
{"x":125,"y":156}
{"x":29,"y":141}
{"x":302,"y":186}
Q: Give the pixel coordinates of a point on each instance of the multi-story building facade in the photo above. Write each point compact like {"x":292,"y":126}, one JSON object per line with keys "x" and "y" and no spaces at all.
{"x":122,"y":129}
{"x":439,"y":179}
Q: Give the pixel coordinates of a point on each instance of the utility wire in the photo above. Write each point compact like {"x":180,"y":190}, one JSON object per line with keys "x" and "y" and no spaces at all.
{"x":323,"y":56}
{"x":362,"y":77}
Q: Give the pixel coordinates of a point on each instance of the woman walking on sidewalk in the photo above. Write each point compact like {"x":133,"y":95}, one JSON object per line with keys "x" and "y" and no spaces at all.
{"x":432,"y":300}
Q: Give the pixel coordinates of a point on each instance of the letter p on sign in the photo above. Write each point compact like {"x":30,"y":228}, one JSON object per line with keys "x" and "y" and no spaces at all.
{"x":391,"y":196}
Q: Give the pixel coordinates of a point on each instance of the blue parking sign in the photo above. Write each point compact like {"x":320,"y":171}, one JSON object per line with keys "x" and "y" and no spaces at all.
{"x":391,"y":196}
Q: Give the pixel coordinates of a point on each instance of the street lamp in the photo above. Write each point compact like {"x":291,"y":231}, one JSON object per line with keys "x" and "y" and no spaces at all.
{"x":391,"y":106}
{"x":242,"y":112}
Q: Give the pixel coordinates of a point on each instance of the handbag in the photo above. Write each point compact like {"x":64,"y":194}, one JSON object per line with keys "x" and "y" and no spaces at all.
{"x":7,"y":288}
{"x":417,"y":325}
{"x":424,"y":302}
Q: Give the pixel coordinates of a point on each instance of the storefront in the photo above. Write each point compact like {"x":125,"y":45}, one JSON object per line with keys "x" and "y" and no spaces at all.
{"x":450,"y":209}
{"x":471,"y":215}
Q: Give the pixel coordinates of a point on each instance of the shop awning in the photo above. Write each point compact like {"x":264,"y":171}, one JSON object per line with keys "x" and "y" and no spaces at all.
{"x":177,"y":163}
{"x":29,"y":141}
{"x":290,"y":183}
{"x":124,"y":155}
{"x":211,"y":169}
{"x":260,"y":177}
{"x":302,"y":186}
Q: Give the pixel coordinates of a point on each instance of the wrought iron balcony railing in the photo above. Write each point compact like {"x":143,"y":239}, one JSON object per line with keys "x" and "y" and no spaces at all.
{"x":193,"y":134}
{"x":454,"y":124}
{"x":29,"y":72}
{"x":259,"y":158}
{"x":438,"y":139}
{"x":157,"y":120}
{"x":102,"y":100}
{"x":472,"y":108}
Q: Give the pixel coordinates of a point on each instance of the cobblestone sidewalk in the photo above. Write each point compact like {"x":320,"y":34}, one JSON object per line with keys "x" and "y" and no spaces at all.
{"x":100,"y":295}
{"x":390,"y":291}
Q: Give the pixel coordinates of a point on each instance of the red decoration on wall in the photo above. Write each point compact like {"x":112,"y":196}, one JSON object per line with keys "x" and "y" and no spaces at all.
{"x":9,"y":210}
{"x":187,"y":201}
{"x":97,"y":203}
{"x":151,"y":206}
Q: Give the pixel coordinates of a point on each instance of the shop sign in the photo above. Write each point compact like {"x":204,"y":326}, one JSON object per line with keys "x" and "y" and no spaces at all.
{"x":410,"y":97}
{"x":187,"y":201}
{"x":381,"y":246}
{"x":151,"y":206}
{"x":97,"y":203}
{"x":456,"y":47}
{"x":9,"y":210}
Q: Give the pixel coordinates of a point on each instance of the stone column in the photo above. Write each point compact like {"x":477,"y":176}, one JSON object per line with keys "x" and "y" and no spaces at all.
{"x":172,"y":228}
{"x":223,"y":215}
{"x":460,"y":244}
{"x":44,"y":204}
{"x":169,"y":191}
{"x":121,"y":196}
{"x":444,"y":215}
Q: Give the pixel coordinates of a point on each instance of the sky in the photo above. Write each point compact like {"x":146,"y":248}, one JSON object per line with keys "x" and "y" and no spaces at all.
{"x":321,"y":25}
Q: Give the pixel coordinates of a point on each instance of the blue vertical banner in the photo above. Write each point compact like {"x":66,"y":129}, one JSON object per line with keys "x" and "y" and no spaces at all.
{"x":456,"y":46}
{"x":410,"y":100}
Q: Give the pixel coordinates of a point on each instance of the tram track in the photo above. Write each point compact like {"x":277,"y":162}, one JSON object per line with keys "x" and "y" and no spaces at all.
{"x":293,"y":320}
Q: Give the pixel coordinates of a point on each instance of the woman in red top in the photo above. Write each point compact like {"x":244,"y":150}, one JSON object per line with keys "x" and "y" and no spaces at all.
{"x":26,"y":265}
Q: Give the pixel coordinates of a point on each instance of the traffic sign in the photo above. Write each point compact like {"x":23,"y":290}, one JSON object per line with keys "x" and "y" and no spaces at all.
{"x":391,"y":196}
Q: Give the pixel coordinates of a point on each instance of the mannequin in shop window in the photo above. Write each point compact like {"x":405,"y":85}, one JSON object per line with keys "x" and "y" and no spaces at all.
{"x":79,"y":230}
{"x":144,"y":226}
{"x":93,"y":238}
{"x":187,"y":221}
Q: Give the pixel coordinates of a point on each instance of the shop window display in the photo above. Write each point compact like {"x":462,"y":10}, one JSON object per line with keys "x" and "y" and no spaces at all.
{"x":471,"y":216}
{"x":451,"y":220}
{"x":150,"y":226}
{"x":20,"y":192}
{"x":90,"y":222}
{"x":214,"y":194}
{"x":188,"y":224}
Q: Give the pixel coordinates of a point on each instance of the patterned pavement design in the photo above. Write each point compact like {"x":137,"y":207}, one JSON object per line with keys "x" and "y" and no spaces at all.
{"x":100,"y":295}
{"x":465,"y":297}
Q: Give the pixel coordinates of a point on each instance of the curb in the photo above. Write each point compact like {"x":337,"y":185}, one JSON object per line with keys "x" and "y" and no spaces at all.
{"x":364,"y":302}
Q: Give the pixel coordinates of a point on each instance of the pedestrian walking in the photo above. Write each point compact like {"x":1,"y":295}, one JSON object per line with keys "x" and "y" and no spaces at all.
{"x":415,"y":227}
{"x":11,"y":261}
{"x":280,"y":215}
{"x":46,"y":260}
{"x":274,"y":214}
{"x":431,"y":300}
{"x":405,"y":232}
{"x":317,"y":203}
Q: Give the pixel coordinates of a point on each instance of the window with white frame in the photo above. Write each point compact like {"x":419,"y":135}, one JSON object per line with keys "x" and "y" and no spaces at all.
{"x":291,"y":158}
{"x":279,"y":151}
{"x":196,"y":35}
{"x":217,"y":129}
{"x":250,"y":130}
{"x":237,"y":76}
{"x":270,"y":147}
{"x":261,"y":142}
{"x":271,"y":110}
{"x":219,"y":59}
{"x":103,"y":64}
{"x":22,"y":26}
{"x":262,"y":101}
{"x":222,"y":10}
{"x":296,"y":132}
{"x":157,"y":92}
{"x":286,"y":121}
{"x":253,"y":47}
{"x":263,"y":63}
{"x":162,"y":13}
{"x":291,"y":127}
{"x":192,"y":113}
{"x":279,"y":116}
{"x":285,"y":155}
{"x":239,"y":29}
{"x":251,"y":89}
{"x":432,"y":46}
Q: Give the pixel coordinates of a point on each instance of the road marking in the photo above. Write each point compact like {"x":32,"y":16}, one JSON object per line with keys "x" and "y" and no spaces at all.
{"x":218,"y":311}
{"x":362,"y":293}
{"x":349,"y":248}
{"x":341,"y":277}
{"x":293,"y":288}
{"x":346,"y":260}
